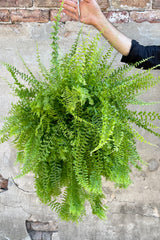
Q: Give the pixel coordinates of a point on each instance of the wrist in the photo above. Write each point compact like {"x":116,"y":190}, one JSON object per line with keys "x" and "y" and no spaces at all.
{"x":100,"y":22}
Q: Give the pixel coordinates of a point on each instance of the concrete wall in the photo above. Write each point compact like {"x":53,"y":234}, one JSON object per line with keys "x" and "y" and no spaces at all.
{"x":134,"y":213}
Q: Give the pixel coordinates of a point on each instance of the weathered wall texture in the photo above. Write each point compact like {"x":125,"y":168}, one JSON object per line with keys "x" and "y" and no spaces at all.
{"x":134,"y":213}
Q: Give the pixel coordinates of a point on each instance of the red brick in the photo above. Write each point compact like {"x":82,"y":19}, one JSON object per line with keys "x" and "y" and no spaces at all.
{"x":156,"y":3}
{"x":46,"y":3}
{"x":149,"y":16}
{"x":118,"y":17}
{"x":23,"y":15}
{"x":51,"y":226}
{"x":104,"y":4}
{"x":123,"y":4}
{"x":15,"y":3}
{"x":64,"y":17}
{"x":3,"y":183}
{"x":4,"y":16}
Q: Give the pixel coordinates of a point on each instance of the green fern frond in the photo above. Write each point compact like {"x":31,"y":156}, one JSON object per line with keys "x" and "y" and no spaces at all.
{"x":72,"y":125}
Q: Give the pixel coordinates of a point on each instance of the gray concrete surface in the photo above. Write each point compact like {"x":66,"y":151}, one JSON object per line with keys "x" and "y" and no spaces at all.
{"x":134,"y":213}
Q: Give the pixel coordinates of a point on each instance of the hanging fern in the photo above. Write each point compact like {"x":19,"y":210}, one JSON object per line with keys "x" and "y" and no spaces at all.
{"x":73,"y":126}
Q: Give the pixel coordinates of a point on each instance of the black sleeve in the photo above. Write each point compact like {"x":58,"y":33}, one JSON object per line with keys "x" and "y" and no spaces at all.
{"x":139,"y":52}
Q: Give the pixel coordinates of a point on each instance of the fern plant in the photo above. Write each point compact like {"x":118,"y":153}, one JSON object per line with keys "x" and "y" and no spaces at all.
{"x":73,"y":125}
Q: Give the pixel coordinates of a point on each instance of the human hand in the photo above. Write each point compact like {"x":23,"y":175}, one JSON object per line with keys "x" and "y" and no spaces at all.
{"x":90,"y":11}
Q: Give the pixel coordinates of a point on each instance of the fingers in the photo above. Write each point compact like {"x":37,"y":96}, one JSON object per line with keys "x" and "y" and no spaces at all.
{"x":70,"y":8}
{"x":71,"y":3}
{"x":73,"y":16}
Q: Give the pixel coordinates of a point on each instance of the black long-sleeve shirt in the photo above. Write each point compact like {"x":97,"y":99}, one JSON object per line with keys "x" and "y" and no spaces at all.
{"x":139,"y":52}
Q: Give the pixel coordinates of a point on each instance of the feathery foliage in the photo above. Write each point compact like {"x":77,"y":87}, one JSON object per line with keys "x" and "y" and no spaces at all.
{"x":74,"y":126}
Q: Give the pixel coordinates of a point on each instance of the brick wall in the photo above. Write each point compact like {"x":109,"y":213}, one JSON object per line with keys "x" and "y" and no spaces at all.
{"x":42,"y":11}
{"x":42,"y":230}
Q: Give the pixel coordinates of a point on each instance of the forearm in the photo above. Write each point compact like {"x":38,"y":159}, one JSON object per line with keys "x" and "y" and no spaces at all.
{"x":118,"y":40}
{"x":92,"y":14}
